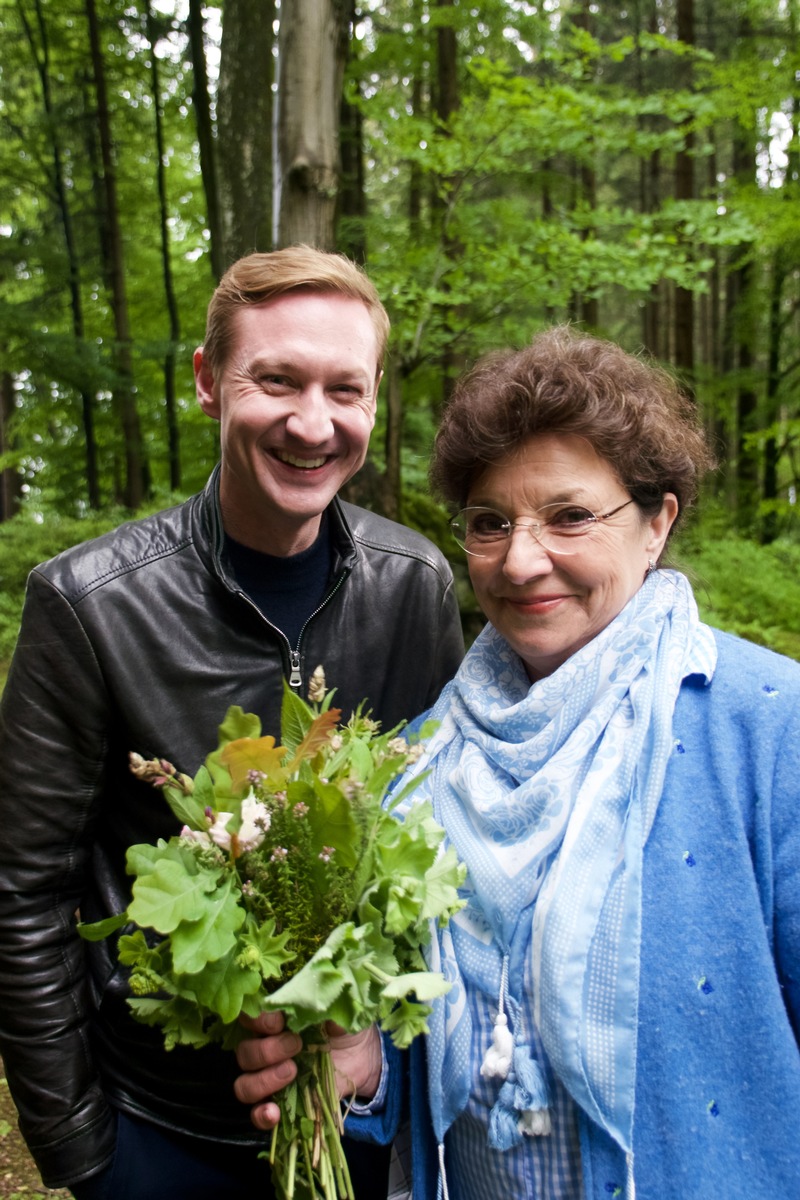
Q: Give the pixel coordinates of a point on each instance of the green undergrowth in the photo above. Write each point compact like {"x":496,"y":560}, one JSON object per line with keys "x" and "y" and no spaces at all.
{"x":743,"y":587}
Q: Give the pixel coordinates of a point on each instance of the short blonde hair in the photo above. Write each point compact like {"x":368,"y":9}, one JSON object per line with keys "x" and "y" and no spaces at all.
{"x":257,"y":278}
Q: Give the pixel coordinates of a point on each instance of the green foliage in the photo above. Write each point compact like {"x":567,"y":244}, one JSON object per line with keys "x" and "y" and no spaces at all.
{"x":742,"y":587}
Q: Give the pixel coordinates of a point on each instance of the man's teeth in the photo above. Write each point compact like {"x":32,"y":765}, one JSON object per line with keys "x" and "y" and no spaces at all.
{"x":307,"y":463}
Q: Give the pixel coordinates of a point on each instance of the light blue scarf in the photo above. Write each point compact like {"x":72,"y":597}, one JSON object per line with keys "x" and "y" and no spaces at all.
{"x":548,"y":792}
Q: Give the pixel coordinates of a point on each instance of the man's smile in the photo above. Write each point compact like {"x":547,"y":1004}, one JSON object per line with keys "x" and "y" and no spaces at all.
{"x":307,"y":464}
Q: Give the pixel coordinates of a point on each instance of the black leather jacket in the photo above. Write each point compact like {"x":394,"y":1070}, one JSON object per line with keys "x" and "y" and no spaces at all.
{"x":140,"y":640}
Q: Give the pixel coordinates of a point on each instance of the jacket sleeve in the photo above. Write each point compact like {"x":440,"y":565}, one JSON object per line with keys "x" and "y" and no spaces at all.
{"x":53,"y":735}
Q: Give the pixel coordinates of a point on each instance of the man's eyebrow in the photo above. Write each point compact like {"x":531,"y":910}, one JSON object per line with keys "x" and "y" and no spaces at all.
{"x":262,"y":364}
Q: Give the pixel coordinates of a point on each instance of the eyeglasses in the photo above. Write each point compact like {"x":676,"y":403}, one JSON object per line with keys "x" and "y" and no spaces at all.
{"x":560,"y":528}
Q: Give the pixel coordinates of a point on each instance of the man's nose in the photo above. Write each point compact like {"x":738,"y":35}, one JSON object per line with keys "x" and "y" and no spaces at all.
{"x":310,"y":418}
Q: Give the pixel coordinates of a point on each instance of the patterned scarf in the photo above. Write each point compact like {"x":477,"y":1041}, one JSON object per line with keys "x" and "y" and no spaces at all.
{"x":548,"y":792}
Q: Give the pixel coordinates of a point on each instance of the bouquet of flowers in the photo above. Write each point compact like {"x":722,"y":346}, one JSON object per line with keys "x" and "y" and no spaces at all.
{"x":290,"y":888}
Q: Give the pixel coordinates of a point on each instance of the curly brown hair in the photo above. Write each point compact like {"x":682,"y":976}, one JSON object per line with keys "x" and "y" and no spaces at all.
{"x":631,"y":411}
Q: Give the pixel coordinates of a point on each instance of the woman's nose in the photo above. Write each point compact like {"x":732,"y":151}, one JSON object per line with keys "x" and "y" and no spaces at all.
{"x":525,"y":556}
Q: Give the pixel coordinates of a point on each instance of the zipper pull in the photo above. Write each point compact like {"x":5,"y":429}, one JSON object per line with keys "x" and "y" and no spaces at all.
{"x":295,"y":678}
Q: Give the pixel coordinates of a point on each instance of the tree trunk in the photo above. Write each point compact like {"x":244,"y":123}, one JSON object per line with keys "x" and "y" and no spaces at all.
{"x":447,"y":103}
{"x":684,"y":190}
{"x":42,"y":61}
{"x":173,"y":433}
{"x":352,"y":200}
{"x":312,"y":44}
{"x":123,"y":392}
{"x":205,"y":134}
{"x":10,"y":478}
{"x":244,"y":126}
{"x":769,"y":525}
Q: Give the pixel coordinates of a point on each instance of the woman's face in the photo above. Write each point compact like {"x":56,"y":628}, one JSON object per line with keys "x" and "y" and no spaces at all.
{"x":547,"y":605}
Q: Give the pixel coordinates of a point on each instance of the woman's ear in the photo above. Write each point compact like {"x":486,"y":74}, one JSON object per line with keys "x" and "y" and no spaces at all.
{"x":204,"y":383}
{"x":661,"y":524}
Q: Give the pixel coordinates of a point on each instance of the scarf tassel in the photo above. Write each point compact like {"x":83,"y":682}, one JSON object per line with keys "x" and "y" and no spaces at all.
{"x":522,"y":1108}
{"x":497,"y":1059}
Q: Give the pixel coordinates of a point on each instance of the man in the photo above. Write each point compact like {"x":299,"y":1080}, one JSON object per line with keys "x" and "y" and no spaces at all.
{"x":140,"y":640}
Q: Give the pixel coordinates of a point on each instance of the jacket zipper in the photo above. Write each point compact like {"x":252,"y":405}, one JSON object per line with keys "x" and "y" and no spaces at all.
{"x":295,"y":677}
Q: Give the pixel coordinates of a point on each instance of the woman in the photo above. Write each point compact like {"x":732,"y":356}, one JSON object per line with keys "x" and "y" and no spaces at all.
{"x":621,"y":781}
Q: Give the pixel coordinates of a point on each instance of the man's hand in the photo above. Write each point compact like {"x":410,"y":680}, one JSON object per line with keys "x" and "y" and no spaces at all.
{"x":268,"y":1064}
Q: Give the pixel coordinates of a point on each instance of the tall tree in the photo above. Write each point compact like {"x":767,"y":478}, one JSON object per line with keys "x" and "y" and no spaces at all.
{"x":170,"y":399}
{"x":244,"y":127}
{"x":40,"y":50}
{"x":312,"y":51}
{"x":136,"y":481}
{"x":205,"y":134}
{"x":684,"y":190}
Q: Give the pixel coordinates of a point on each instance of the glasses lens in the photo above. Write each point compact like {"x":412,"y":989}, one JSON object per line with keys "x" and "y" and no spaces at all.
{"x":479,"y":529}
{"x":562,"y":525}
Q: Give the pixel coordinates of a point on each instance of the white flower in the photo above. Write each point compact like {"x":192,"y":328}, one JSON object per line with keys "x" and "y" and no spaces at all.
{"x":255,"y":823}
{"x":218,"y":833}
{"x":195,"y":835}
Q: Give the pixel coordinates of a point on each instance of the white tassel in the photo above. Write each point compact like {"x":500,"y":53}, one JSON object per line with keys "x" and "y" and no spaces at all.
{"x":535,"y":1122}
{"x":497,"y":1059}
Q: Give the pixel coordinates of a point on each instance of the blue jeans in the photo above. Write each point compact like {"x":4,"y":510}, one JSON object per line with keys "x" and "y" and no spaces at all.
{"x":152,"y":1163}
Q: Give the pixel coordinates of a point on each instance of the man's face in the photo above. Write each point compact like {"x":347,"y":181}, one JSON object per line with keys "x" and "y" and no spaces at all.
{"x":296,"y":404}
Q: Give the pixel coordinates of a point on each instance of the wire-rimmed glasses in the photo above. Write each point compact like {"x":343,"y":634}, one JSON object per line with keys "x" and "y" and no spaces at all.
{"x":559,"y":529}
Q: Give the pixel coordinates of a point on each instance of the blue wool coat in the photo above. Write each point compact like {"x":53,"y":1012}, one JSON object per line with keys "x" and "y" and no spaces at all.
{"x":718,"y":1066}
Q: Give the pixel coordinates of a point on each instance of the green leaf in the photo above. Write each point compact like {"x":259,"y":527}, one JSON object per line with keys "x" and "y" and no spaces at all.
{"x":333,"y":824}
{"x":296,"y":718}
{"x":188,"y":810}
{"x":142,"y":858}
{"x":168,"y":895}
{"x":238,"y":724}
{"x":223,"y":984}
{"x":406,"y":1021}
{"x":181,"y":1021}
{"x":425,"y":985}
{"x":97,"y":930}
{"x":442,"y":882}
{"x":206,"y":939}
{"x":264,"y":949}
{"x":362,"y":763}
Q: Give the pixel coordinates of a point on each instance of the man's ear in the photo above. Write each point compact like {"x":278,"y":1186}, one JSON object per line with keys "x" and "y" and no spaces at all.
{"x":207,"y":396}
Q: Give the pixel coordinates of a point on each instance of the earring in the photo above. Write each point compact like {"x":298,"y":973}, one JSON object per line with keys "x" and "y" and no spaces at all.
{"x":651,"y":565}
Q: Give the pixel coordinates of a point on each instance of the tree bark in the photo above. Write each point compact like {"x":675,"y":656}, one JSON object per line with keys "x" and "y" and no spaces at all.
{"x":136,"y":482}
{"x":205,"y":134}
{"x":42,"y":61}
{"x":244,"y":127}
{"x":684,"y":190}
{"x":170,"y":401}
{"x":10,"y":478}
{"x":312,"y":43}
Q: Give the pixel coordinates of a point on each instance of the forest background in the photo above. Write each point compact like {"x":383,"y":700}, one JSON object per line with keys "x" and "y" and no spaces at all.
{"x":633,"y":168}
